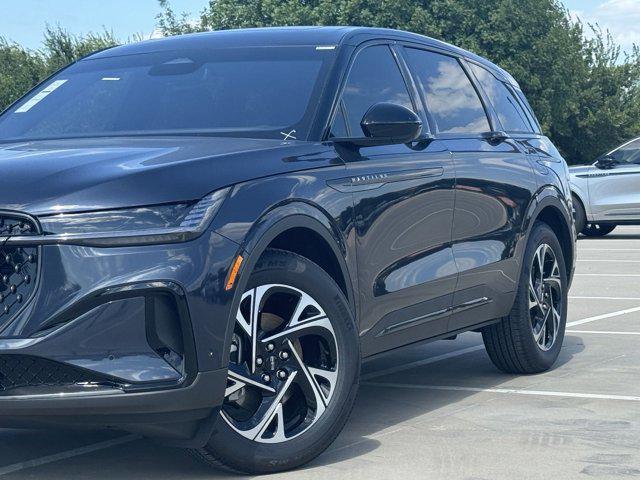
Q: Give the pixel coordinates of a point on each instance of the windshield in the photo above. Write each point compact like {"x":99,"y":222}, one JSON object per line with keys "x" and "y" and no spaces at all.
{"x":259,"y":92}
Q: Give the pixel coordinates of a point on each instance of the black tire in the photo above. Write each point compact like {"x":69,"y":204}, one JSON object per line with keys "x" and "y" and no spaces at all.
{"x":226,"y":447}
{"x":579,"y":215}
{"x":510,"y":343}
{"x":598,"y":229}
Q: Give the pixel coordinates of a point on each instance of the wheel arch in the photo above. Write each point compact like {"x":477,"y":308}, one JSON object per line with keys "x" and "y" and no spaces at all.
{"x":552,"y":208}
{"x":306,"y":230}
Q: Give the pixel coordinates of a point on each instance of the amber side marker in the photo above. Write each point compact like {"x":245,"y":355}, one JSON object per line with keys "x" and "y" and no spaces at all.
{"x":234,"y":272}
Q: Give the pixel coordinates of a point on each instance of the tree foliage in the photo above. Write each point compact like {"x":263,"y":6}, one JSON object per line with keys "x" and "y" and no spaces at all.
{"x":22,"y":69}
{"x":584,"y":91}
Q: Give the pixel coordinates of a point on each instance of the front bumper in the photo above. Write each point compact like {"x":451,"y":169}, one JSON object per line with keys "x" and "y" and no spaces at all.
{"x":131,"y":337}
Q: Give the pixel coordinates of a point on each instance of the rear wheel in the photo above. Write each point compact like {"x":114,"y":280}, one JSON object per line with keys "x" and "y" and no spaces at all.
{"x":598,"y":229}
{"x":293,"y":369}
{"x":529,"y":339}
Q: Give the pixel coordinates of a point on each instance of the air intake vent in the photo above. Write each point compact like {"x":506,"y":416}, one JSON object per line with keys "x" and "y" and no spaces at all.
{"x":18,"y":266}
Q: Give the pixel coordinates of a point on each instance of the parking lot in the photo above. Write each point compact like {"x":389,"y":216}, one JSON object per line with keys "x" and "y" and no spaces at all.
{"x":442,"y":410}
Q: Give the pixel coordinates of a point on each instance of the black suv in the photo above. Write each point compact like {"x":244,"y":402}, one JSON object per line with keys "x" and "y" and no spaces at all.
{"x":202,"y":236}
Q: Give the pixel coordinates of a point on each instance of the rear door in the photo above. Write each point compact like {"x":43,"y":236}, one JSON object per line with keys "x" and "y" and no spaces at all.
{"x":615,"y":193}
{"x":494,"y":183}
{"x":403,"y":203}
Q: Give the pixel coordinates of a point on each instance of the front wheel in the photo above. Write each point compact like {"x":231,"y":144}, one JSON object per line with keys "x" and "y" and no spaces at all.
{"x":529,"y":339}
{"x":293,"y":369}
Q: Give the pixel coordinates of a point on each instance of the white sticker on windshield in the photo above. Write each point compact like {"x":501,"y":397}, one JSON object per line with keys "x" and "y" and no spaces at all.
{"x":38,"y":97}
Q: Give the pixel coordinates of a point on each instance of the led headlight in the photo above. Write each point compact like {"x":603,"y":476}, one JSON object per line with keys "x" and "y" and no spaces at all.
{"x":140,"y":225}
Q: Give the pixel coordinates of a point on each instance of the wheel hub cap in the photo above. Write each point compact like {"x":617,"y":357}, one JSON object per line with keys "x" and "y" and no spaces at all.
{"x":545,"y":297}
{"x":283,"y":364}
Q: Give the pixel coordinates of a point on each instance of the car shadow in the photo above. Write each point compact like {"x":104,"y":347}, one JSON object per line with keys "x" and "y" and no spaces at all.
{"x":380,"y":410}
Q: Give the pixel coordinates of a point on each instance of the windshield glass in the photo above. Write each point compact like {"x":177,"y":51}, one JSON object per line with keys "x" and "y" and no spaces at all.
{"x":259,"y":92}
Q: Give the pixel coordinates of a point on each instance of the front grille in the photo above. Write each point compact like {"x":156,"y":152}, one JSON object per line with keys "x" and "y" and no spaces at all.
{"x":18,"y":266}
{"x":21,"y":371}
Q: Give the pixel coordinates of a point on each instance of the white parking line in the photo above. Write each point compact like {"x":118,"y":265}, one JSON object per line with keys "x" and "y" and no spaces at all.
{"x":511,"y":391}
{"x":609,"y":250}
{"x":36,"y":462}
{"x":606,"y":260}
{"x":575,"y":297}
{"x":603,"y":332}
{"x":606,"y":274}
{"x":603,"y":316}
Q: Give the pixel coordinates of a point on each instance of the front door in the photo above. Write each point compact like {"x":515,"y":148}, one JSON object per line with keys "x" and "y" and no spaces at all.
{"x":403,"y":203}
{"x":615,"y":193}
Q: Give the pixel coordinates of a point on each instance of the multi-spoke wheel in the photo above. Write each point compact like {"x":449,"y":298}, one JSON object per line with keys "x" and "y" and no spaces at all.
{"x":545,"y":297}
{"x":283,"y":367}
{"x":529,"y":339}
{"x":293,"y":369}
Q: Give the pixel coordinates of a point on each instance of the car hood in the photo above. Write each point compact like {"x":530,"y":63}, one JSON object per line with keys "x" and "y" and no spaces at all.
{"x":44,"y":177}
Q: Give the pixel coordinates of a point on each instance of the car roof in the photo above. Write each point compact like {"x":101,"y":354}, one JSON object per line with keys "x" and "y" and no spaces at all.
{"x":291,"y":36}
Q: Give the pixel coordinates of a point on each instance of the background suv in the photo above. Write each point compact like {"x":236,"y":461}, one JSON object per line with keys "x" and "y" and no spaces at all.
{"x":607,"y":193}
{"x":201,"y":238}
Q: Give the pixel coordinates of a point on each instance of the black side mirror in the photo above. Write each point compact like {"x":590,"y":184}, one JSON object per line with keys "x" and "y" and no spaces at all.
{"x":606,"y":163}
{"x":386,"y":124}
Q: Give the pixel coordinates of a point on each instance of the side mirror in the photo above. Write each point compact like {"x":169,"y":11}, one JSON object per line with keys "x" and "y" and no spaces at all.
{"x":606,"y":163}
{"x":386,"y":124}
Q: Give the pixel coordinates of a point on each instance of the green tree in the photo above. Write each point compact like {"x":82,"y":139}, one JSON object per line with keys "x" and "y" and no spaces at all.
{"x":22,"y":69}
{"x":584,"y":92}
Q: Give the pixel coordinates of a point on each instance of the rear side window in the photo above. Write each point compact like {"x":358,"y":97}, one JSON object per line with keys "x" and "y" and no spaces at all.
{"x":449,"y":94}
{"x":374,"y":77}
{"x":510,"y":113}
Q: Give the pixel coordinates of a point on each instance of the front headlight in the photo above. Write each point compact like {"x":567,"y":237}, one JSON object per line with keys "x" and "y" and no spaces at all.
{"x":141,"y":225}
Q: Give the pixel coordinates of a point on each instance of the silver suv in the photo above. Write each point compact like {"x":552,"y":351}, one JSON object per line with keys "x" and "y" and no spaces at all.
{"x":607,"y":193}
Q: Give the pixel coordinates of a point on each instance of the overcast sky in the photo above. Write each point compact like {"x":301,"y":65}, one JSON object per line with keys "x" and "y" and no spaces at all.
{"x":23,"y":20}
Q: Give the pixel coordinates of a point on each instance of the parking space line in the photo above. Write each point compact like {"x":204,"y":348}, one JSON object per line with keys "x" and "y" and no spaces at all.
{"x":576,"y":297}
{"x":36,"y":462}
{"x":606,"y":260}
{"x":511,"y":391}
{"x":603,"y":316}
{"x":609,"y":250}
{"x":606,"y":274}
{"x":426,"y":361}
{"x":603,"y":332}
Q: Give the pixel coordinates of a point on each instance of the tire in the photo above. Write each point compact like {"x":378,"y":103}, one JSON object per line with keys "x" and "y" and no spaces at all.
{"x":512,"y":344}
{"x":598,"y":229}
{"x":278,"y":274}
{"x":579,"y":214}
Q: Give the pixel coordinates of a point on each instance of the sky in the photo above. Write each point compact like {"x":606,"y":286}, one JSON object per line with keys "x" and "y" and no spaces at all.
{"x":23,"y":21}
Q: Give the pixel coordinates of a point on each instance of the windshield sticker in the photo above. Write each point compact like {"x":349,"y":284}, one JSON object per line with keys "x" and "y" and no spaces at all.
{"x":110,"y":79}
{"x":37,"y":98}
{"x":289,"y":135}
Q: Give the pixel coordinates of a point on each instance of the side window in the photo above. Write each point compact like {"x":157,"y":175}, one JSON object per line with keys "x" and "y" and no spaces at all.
{"x":450,"y":96}
{"x":509,"y":111}
{"x":374,"y":77}
{"x":339,"y":126}
{"x":629,"y":153}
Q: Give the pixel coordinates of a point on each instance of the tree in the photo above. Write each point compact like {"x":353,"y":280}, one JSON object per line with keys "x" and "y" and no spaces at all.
{"x":584,"y":92}
{"x":22,"y":69}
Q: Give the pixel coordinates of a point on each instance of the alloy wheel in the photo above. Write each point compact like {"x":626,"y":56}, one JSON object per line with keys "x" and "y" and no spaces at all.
{"x":545,"y":297}
{"x":283,"y":364}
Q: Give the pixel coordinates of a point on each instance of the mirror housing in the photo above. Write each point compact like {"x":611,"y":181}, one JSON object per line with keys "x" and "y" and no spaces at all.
{"x":386,"y":124}
{"x":605,"y":163}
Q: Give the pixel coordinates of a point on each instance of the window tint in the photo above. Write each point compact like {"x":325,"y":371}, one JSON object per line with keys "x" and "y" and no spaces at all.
{"x":451,"y":98}
{"x":374,"y":78}
{"x":506,"y":105}
{"x":629,"y":153}
{"x":236,"y":91}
